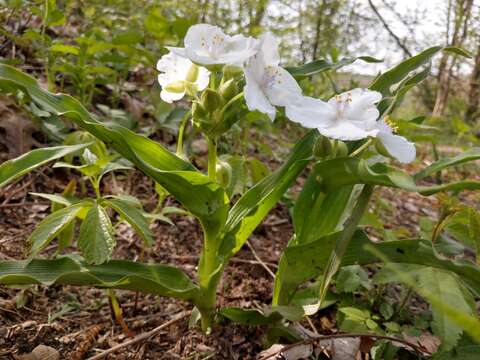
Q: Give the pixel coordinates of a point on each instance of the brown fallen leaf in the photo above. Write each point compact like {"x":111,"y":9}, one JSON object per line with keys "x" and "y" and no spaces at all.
{"x":41,"y":352}
{"x":301,"y":351}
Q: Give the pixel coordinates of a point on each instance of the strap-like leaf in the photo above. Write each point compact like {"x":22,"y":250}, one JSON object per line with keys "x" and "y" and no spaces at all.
{"x":52,"y":225}
{"x":13,"y":169}
{"x":385,"y":81}
{"x":96,"y":239}
{"x":133,"y":216}
{"x":470,"y":155}
{"x":254,"y":205}
{"x":119,"y":274}
{"x":340,"y":172}
{"x":178,"y":176}
{"x":307,"y":261}
{"x":321,"y":65}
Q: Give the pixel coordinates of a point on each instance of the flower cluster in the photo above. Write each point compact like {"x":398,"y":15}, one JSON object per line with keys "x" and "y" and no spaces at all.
{"x":349,"y":116}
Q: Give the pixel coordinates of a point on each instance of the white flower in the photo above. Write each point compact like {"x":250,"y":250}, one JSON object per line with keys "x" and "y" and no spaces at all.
{"x":396,"y":146}
{"x":351,"y":115}
{"x":267,"y":84}
{"x":180,"y":75}
{"x":208,"y":45}
{"x":348,"y":116}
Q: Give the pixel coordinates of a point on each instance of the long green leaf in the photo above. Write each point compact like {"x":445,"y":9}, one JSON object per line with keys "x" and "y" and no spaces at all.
{"x":308,"y":261}
{"x":340,"y":172}
{"x":254,"y":205}
{"x":470,"y":155}
{"x":119,"y":274}
{"x":14,"y":168}
{"x":96,"y":239}
{"x":133,"y":216}
{"x":321,"y":65}
{"x":385,"y":81}
{"x":178,"y":176}
{"x":53,"y":225}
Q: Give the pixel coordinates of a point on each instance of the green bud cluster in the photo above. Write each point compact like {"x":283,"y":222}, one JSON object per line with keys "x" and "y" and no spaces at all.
{"x":325,"y":148}
{"x":208,"y":112}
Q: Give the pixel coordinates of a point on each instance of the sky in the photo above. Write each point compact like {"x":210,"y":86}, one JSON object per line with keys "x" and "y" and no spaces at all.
{"x":376,"y":42}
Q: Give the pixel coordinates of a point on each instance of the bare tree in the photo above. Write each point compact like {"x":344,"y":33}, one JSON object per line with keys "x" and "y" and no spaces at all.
{"x":461,"y":11}
{"x":472,"y":115}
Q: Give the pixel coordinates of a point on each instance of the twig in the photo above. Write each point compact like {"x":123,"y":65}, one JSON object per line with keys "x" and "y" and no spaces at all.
{"x":340,"y":336}
{"x":141,"y":337}
{"x":270,"y":272}
{"x":389,"y":30}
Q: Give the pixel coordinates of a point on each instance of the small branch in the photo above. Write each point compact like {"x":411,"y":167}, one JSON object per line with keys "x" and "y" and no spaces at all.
{"x":270,"y":272}
{"x":416,"y":348}
{"x":390,"y":31}
{"x":141,"y":337}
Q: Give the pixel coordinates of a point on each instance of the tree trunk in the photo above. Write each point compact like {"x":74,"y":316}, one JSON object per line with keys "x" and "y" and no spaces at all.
{"x":472,"y":115}
{"x":462,"y":16}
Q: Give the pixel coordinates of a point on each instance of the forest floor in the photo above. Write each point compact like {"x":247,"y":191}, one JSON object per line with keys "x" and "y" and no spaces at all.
{"x":77,"y":321}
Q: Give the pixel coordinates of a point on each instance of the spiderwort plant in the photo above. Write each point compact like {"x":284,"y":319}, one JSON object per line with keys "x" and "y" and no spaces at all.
{"x":329,"y":207}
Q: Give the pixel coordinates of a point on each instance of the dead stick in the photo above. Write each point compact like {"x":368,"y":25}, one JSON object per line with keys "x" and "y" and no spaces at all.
{"x":141,"y":337}
{"x":270,"y":272}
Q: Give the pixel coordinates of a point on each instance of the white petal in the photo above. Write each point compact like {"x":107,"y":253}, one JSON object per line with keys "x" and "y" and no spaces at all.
{"x":255,"y":98}
{"x":177,"y":50}
{"x":203,"y":78}
{"x":284,"y":89}
{"x":175,"y":67}
{"x":362,"y":105}
{"x":169,"y":97}
{"x":397,"y":146}
{"x":310,"y":112}
{"x":269,"y":49}
{"x":207,"y":45}
{"x":345,"y":130}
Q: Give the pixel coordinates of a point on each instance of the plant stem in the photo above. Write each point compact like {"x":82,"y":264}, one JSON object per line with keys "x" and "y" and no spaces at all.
{"x":404,"y":302}
{"x":181,"y":131}
{"x":361,"y":148}
{"x":212,"y":159}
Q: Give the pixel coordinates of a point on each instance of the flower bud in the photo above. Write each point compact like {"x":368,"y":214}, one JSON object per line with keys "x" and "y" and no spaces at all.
{"x":323,"y":147}
{"x":192,"y":74}
{"x":176,"y":87}
{"x":211,"y":100}
{"x":198,"y":111}
{"x":224,"y":173}
{"x":230,"y":71}
{"x":341,"y":149}
{"x":228,"y":89}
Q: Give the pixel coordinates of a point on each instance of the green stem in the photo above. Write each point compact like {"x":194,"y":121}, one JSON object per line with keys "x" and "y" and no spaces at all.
{"x":344,"y":238}
{"x":361,"y":148}
{"x":181,"y":131}
{"x":212,"y":159}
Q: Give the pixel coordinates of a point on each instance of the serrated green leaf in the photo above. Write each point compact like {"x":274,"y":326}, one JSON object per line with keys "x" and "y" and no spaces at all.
{"x":54,"y":198}
{"x":96,"y":239}
{"x":350,"y":278}
{"x":52,"y":225}
{"x":444,"y":285}
{"x":133,"y":216}
{"x":65,"y":49}
{"x":179,"y":177}
{"x":13,"y":169}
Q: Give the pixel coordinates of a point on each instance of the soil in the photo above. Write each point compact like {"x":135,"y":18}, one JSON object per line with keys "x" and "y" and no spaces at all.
{"x":77,"y":321}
